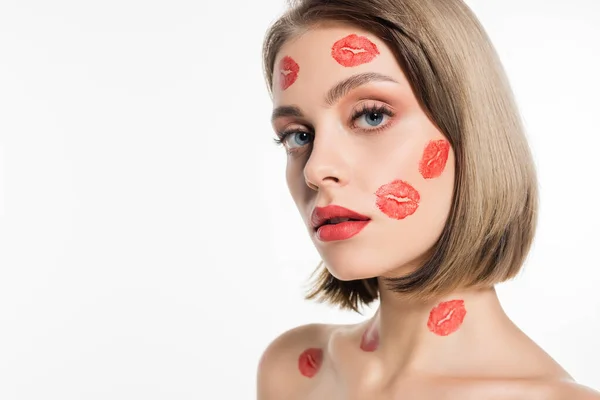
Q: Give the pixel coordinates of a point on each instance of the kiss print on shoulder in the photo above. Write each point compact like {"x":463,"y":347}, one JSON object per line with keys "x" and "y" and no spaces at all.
{"x":288,"y":72}
{"x":447,"y":317}
{"x":397,"y":199}
{"x":354,"y":50}
{"x":434,"y":158}
{"x":310,"y":362}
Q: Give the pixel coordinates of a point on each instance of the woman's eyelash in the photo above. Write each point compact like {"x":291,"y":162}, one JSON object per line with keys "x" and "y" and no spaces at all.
{"x":373,"y":109}
{"x":365,"y":110}
{"x":282,"y":136}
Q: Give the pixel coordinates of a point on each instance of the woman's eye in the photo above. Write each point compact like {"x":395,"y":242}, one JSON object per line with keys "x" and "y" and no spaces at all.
{"x":296,"y":139}
{"x":372,"y":119}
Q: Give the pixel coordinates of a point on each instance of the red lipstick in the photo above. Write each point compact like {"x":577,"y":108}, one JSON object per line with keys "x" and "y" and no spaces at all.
{"x":447,"y":317}
{"x":288,"y":69}
{"x":397,"y":199}
{"x":337,"y":223}
{"x":310,"y":362}
{"x":354,"y":50}
{"x":434,"y":158}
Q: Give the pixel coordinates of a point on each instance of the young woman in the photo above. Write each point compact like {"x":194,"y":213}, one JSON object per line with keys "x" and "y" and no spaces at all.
{"x":408,"y":163}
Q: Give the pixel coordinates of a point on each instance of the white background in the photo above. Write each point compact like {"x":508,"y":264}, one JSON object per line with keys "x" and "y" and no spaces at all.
{"x":148,"y":246}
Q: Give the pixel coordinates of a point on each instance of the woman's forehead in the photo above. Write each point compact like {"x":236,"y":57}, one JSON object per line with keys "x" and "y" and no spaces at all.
{"x":315,"y":61}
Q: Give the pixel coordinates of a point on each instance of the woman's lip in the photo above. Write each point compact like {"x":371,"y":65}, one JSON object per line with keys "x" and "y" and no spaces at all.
{"x":354,"y":50}
{"x":397,"y":199}
{"x":321,"y":214}
{"x":340,"y":231}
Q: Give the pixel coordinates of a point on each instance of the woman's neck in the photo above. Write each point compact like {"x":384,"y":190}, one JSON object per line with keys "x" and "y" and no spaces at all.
{"x":436,"y":336}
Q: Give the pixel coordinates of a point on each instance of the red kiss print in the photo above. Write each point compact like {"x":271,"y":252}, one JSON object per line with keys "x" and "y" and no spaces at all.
{"x":434,"y":158}
{"x":310,"y":362}
{"x":354,"y":50}
{"x":288,"y":70}
{"x":397,"y":199}
{"x":370,"y":339}
{"x":447,"y":317}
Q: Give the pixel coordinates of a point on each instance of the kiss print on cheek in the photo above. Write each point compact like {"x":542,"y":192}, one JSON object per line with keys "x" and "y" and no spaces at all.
{"x":354,"y":50}
{"x":434,"y":158}
{"x":397,"y":199}
{"x":447,"y":317}
{"x":370,"y":339}
{"x":288,"y":72}
{"x":310,"y":362}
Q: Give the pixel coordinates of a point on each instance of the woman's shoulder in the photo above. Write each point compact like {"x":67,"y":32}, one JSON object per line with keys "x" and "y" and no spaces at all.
{"x":278,"y":370}
{"x":570,"y":390}
{"x":549,"y":388}
{"x":277,"y":375}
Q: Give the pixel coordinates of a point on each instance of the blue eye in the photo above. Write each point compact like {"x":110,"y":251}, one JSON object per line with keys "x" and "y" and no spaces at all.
{"x":373,"y":118}
{"x":293,"y":139}
{"x":299,"y":138}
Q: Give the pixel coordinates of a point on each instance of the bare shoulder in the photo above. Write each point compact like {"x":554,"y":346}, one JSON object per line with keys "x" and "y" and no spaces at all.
{"x":569,"y":390}
{"x":277,"y":375}
{"x":560,"y":389}
{"x":547,"y":388}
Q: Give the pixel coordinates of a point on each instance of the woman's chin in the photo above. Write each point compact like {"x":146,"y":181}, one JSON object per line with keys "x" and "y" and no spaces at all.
{"x":343,"y":274}
{"x":351,"y":270}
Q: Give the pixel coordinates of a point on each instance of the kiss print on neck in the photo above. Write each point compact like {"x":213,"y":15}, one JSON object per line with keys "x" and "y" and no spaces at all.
{"x":354,"y":50}
{"x":397,"y":199}
{"x":288,"y":72}
{"x":370,"y":339}
{"x":434,"y":158}
{"x":447,"y":317}
{"x":310,"y":362}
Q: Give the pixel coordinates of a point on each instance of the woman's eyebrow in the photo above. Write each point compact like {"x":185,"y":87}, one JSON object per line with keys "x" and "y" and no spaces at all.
{"x":338,"y":91}
{"x":343,"y":87}
{"x":286,"y":111}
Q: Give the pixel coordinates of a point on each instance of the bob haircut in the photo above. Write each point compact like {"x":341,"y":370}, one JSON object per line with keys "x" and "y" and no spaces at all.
{"x":459,"y":81}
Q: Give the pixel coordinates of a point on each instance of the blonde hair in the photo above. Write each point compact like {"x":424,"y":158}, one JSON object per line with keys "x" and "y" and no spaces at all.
{"x":460,"y":83}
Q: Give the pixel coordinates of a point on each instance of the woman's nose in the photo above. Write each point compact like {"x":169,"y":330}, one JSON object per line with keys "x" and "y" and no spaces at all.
{"x":328,"y":165}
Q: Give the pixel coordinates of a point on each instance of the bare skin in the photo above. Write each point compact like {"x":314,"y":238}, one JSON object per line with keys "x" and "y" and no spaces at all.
{"x":337,"y":159}
{"x":487,"y":358}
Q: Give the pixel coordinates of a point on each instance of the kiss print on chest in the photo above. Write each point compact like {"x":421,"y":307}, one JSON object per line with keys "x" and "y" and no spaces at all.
{"x":288,"y":72}
{"x":447,"y":317}
{"x":354,"y":50}
{"x":370,"y":339}
{"x":397,"y":199}
{"x":434,"y":159}
{"x":310,"y":362}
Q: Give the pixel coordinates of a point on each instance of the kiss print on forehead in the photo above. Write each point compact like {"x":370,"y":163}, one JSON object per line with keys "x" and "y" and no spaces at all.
{"x":397,"y":199}
{"x":288,"y":72}
{"x":434,"y":158}
{"x":310,"y":362}
{"x":447,"y":317}
{"x":354,"y":50}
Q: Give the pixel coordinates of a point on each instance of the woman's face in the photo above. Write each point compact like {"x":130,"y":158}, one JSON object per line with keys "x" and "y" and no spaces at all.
{"x":357,"y":138}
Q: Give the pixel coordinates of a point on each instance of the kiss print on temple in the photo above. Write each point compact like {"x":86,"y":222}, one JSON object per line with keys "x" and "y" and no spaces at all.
{"x":288,"y":72}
